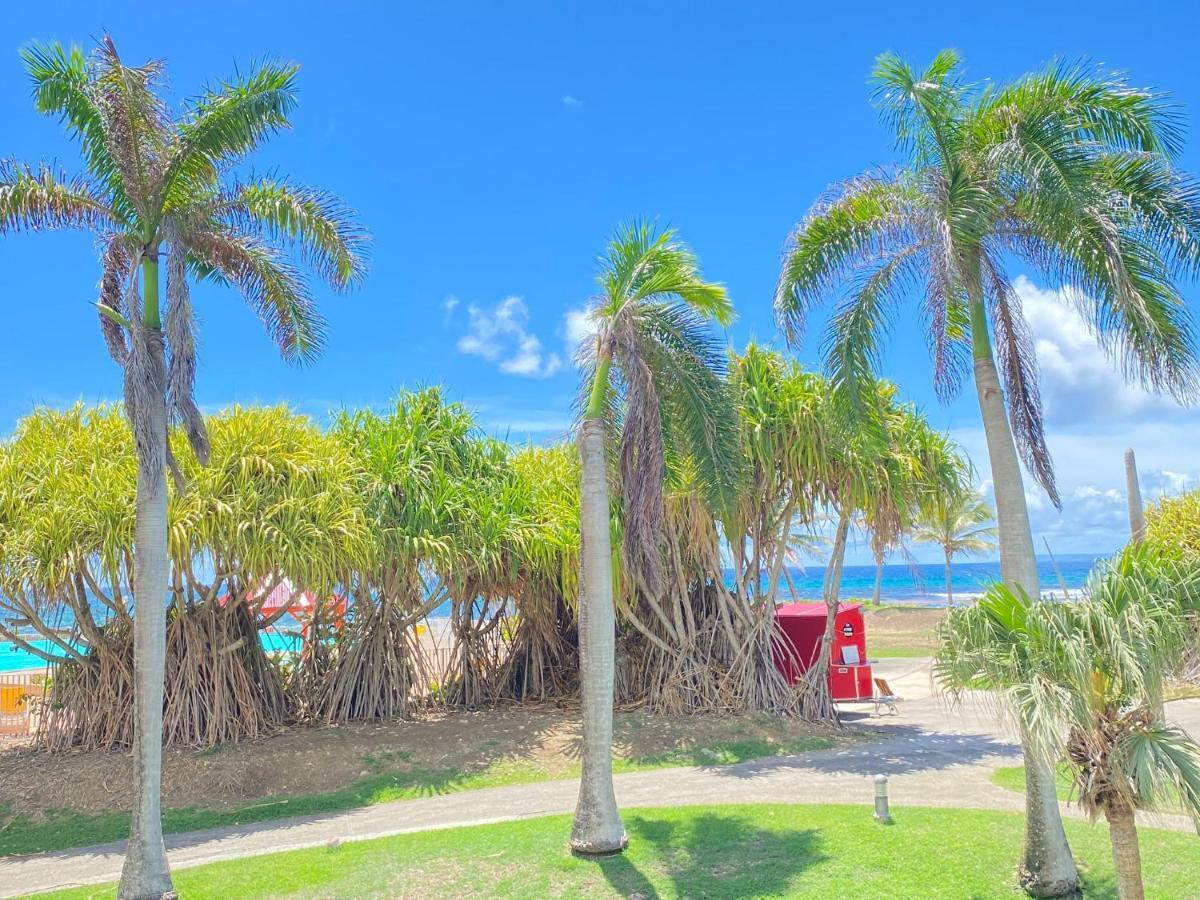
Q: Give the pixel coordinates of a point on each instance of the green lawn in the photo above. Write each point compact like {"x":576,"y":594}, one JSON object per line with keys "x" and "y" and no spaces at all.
{"x":722,"y":851}
{"x":1013,"y":778}
{"x":61,"y":829}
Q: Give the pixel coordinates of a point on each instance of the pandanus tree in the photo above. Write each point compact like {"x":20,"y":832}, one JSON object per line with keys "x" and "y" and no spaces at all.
{"x":961,"y":523}
{"x":1069,"y":171}
{"x":926,"y":468}
{"x":884,"y":463}
{"x":157,"y":184}
{"x":655,"y":361}
{"x":785,"y":442}
{"x":278,"y":504}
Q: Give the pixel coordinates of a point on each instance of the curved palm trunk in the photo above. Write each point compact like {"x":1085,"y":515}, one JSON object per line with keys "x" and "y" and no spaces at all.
{"x":949,"y":583}
{"x":597,"y":826}
{"x":1127,"y":858}
{"x":145,"y":873}
{"x":1047,"y":867}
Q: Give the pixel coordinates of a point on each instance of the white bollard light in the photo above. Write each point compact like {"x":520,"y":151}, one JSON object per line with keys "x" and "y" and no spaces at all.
{"x":882,"y":815}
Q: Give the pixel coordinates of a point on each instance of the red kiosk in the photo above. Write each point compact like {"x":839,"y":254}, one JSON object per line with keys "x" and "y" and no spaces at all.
{"x":804,"y":626}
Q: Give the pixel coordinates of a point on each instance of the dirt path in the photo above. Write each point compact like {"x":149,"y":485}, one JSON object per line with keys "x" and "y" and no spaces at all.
{"x":933,"y":757}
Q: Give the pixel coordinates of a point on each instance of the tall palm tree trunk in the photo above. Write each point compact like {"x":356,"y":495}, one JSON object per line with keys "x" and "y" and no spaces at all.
{"x":597,"y":827}
{"x":949,"y":583}
{"x":1127,"y":858}
{"x":145,"y":873}
{"x":878,"y":578}
{"x":1133,"y":496}
{"x":1047,"y":867}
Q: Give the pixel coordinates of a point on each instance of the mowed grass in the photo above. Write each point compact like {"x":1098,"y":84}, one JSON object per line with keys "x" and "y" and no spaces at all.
{"x":1013,"y":778}
{"x":901,"y":631}
{"x":721,"y":851}
{"x":57,"y":830}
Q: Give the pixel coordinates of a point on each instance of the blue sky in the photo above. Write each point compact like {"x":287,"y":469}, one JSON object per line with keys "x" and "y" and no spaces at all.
{"x":491,"y":148}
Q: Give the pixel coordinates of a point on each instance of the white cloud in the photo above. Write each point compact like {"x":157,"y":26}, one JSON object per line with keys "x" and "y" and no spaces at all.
{"x":502,"y":333}
{"x":572,"y":102}
{"x":528,"y":360}
{"x":1079,"y":382}
{"x":578,"y":328}
{"x":1089,"y":464}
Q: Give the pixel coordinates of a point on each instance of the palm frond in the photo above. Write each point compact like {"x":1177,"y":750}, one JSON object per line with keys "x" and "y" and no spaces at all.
{"x":269,"y":284}
{"x":181,"y":342}
{"x":117,"y":268}
{"x":1096,"y":106}
{"x":1018,"y":366}
{"x":1161,"y":765}
{"x":699,"y":413}
{"x":135,"y":124}
{"x":229,"y":121}
{"x":33,"y":200}
{"x":854,"y":343}
{"x":642,"y":263}
{"x":62,"y":87}
{"x":320,"y":224}
{"x":852,"y":228}
{"x":920,"y":108}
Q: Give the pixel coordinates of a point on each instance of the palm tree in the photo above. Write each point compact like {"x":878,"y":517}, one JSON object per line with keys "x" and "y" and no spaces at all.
{"x":1124,"y":754}
{"x":1093,"y":671}
{"x":1069,"y":171}
{"x":655,"y":361}
{"x":960,"y":522}
{"x":155,"y":183}
{"x":999,"y":644}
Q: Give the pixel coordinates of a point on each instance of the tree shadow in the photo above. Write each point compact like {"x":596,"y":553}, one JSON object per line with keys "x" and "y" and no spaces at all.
{"x":710,"y":855}
{"x":907,"y":749}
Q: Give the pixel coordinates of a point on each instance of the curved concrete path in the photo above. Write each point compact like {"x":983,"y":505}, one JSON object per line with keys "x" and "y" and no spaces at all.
{"x":933,"y":756}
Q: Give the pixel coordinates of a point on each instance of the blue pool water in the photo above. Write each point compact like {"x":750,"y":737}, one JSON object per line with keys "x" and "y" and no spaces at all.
{"x":15,"y":659}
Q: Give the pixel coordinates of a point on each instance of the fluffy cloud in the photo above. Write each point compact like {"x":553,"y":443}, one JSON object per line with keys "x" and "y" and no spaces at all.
{"x":1080,"y":383}
{"x":1092,"y":415}
{"x":501,"y":334}
{"x":1091,"y":478}
{"x":578,"y":327}
{"x":573,"y":102}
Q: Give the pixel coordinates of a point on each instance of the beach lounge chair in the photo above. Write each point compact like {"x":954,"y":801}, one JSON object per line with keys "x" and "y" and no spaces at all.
{"x":885,"y":696}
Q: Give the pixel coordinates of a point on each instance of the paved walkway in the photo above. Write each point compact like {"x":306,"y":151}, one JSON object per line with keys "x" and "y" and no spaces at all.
{"x":932,"y":755}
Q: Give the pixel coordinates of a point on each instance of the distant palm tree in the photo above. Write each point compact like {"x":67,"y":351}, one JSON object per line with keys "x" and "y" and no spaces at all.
{"x":1067,"y":170}
{"x":656,"y":362}
{"x":961,"y":522}
{"x":157,"y":183}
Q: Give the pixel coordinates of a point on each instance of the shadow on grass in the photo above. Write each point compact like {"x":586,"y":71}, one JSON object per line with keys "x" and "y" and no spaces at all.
{"x":390,"y":777}
{"x":902,"y":749}
{"x":712,"y":855}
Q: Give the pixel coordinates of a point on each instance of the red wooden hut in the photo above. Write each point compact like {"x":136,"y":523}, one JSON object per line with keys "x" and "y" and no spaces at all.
{"x":804,"y":625}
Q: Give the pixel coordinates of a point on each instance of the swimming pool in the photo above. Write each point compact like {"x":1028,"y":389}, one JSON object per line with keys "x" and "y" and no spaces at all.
{"x":15,"y":659}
